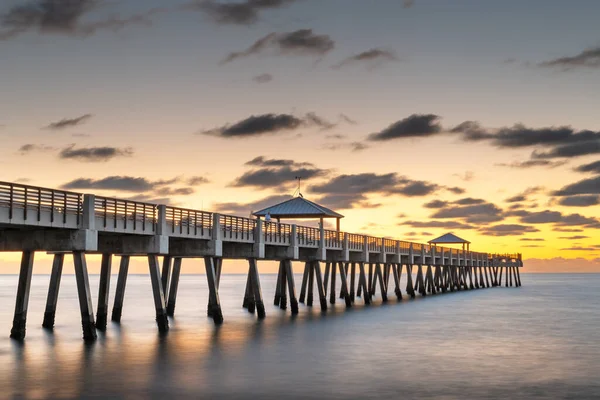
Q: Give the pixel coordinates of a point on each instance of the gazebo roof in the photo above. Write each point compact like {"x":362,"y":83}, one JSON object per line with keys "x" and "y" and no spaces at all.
{"x":298,"y":207}
{"x":448,"y":238}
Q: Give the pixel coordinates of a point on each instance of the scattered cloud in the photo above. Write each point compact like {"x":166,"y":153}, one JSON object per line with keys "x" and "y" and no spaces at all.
{"x":94,"y":154}
{"x":468,"y":176}
{"x":146,"y":188}
{"x":593,"y":167}
{"x":30,"y":147}
{"x":263,"y":78}
{"x":533,"y":163}
{"x":589,"y":58}
{"x":579,"y":248}
{"x":580,"y":201}
{"x":352,"y":146}
{"x":258,"y":125}
{"x":586,"y":186}
{"x":576,"y":237}
{"x":523,"y":196}
{"x":416,"y":125}
{"x":556,"y":217}
{"x":240,"y":13}
{"x":408,"y":3}
{"x":532,"y":240}
{"x":68,"y":122}
{"x":245,"y":209}
{"x":302,"y":42}
{"x":275,"y":173}
{"x":347,"y":119}
{"x":63,"y":18}
{"x":197,"y":180}
{"x":438,"y":224}
{"x":507,"y":230}
{"x":475,"y":214}
{"x":373,"y":58}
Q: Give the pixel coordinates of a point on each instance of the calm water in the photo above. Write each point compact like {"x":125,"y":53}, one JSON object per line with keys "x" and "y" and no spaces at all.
{"x":538,"y":341}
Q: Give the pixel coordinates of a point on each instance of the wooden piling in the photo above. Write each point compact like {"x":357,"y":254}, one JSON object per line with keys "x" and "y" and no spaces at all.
{"x":103,"y":291}
{"x":486,"y":273}
{"x":352,"y":280}
{"x":85,"y":297}
{"x":396,"y":272}
{"x":248,"y":291}
{"x":22,"y":301}
{"x":519,"y":276}
{"x":120,"y":292}
{"x":381,"y":279}
{"x":311,"y":281}
{"x":277,"y":298}
{"x":52,"y":299}
{"x":174,"y":286}
{"x":409,"y":281}
{"x":256,"y":290}
{"x":283,"y":288}
{"x":346,"y":270}
{"x":159,"y":297}
{"x":344,"y":285}
{"x":304,"y":283}
{"x":370,"y":285}
{"x":362,"y":283}
{"x":332,"y":292}
{"x":211,"y":277}
{"x":321,"y":290}
{"x":289,"y":273}
{"x":326,"y":277}
{"x":166,"y":275}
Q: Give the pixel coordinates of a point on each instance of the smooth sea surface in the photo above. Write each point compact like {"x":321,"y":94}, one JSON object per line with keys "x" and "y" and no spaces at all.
{"x":539,"y":341}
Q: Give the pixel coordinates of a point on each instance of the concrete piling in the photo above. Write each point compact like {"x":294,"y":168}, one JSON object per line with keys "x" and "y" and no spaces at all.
{"x":52,"y":299}
{"x":174,"y":286}
{"x":20,"y":317}
{"x":120,"y":292}
{"x":85,"y":297}
{"x":159,"y":297}
{"x":103,"y":291}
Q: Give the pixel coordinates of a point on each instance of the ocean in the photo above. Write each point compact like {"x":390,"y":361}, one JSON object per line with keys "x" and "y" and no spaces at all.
{"x":539,"y":341}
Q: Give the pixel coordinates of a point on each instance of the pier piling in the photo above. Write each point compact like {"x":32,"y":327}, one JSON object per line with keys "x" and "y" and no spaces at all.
{"x":52,"y":299}
{"x":85,"y":296}
{"x":120,"y":292}
{"x":20,"y":318}
{"x":103,"y":291}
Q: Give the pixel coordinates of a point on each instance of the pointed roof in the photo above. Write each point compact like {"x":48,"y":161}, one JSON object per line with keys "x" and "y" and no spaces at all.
{"x":448,"y":238}
{"x":298,"y":207}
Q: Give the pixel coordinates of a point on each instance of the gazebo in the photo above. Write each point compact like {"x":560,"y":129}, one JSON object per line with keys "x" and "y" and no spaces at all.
{"x":450,"y":238}
{"x":299,"y":208}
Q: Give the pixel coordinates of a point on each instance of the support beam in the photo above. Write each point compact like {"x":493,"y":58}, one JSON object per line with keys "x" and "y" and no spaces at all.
{"x":289,"y":273}
{"x":332,"y":292}
{"x":159,"y":296}
{"x":344,"y":284}
{"x":52,"y":300}
{"x":397,"y":273}
{"x":304,"y":282}
{"x":248,"y":302}
{"x":211,"y":277}
{"x":326,"y":277}
{"x":165,"y":276}
{"x":174,"y":286}
{"x":311,"y":282}
{"x":20,"y":318}
{"x":322,"y":296}
{"x":120,"y":293}
{"x":519,"y":276}
{"x":85,"y":297}
{"x":362,"y":283}
{"x":277,"y":298}
{"x":409,"y":281}
{"x":282,"y":287}
{"x":103,"y":291}
{"x":381,"y":279}
{"x":352,"y":280}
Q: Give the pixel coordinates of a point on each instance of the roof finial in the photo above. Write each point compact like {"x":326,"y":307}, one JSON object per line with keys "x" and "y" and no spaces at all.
{"x":299,"y":179}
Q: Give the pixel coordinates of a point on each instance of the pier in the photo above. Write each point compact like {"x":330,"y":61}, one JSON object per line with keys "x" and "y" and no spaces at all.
{"x":35,"y":219}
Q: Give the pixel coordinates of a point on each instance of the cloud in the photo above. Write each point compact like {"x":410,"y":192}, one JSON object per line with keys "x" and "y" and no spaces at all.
{"x":523,"y":196}
{"x":241,"y":13}
{"x":416,"y":125}
{"x":580,"y":201}
{"x":532,"y":240}
{"x":352,"y":146}
{"x":533,"y":163}
{"x":436,"y":204}
{"x":589,"y":58}
{"x":302,"y":42}
{"x":30,"y":147}
{"x":373,"y":58}
{"x":276,"y":173}
{"x":593,"y":167}
{"x":579,"y":248}
{"x":346,"y":201}
{"x":347,"y":119}
{"x":478,"y":213}
{"x":94,"y":154}
{"x":245,"y":209}
{"x":507,"y":230}
{"x":571,"y":150}
{"x":131,"y":184}
{"x":63,"y":18}
{"x":258,"y":125}
{"x":567,"y":230}
{"x":437,"y":224}
{"x":576,"y":237}
{"x":197,"y":180}
{"x":408,"y":3}
{"x":467,"y":176}
{"x":68,"y":122}
{"x":556,"y":217}
{"x":263,"y":78}
{"x":586,"y":186}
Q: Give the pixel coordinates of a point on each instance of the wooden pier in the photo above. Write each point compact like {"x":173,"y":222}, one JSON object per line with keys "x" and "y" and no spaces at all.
{"x":34,"y":219}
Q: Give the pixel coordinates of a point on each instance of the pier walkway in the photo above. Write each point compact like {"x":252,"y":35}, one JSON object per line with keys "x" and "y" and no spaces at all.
{"x":34,"y":219}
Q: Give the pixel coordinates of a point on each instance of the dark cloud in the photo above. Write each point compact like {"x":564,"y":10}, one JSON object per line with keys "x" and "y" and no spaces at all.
{"x":589,"y":58}
{"x":580,"y":201}
{"x":593,"y":167}
{"x":240,"y":13}
{"x":93,"y":154}
{"x":416,"y":125}
{"x":507,"y":230}
{"x":477,"y":213}
{"x":533,"y":163}
{"x":30,"y":147}
{"x":373,"y":58}
{"x":302,"y":42}
{"x":576,"y":237}
{"x":557,"y":218}
{"x":567,"y":230}
{"x":571,"y":150}
{"x":523,"y":196}
{"x":589,"y":186}
{"x":532,"y":240}
{"x":436,"y":204}
{"x":437,"y":224}
{"x":412,"y":234}
{"x":167,"y":191}
{"x":352,"y":146}
{"x":131,"y":184}
{"x":197,"y":180}
{"x":579,"y":248}
{"x":472,"y":131}
{"x":68,"y":122}
{"x":257,"y":125}
{"x":244,"y":209}
{"x":263,"y":78}
{"x":63,"y":17}
{"x":346,"y":201}
{"x":347,"y":119}
{"x":274,"y":173}
{"x":468,"y":201}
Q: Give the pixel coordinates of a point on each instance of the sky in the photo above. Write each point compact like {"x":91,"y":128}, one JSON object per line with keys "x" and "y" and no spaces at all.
{"x":411,"y":118}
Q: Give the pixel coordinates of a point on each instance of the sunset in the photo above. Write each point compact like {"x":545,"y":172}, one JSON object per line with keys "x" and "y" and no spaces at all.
{"x":410,"y":118}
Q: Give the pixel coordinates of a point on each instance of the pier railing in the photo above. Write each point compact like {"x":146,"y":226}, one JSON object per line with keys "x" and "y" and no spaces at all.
{"x":37,"y":206}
